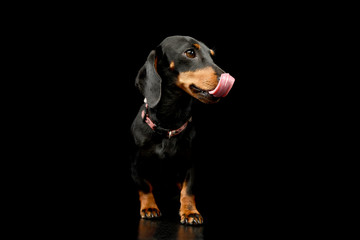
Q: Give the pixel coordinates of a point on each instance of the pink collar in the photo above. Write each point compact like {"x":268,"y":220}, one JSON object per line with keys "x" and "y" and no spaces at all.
{"x":153,"y":126}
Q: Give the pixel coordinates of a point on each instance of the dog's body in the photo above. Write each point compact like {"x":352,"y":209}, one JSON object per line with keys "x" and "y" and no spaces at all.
{"x":180,"y":69}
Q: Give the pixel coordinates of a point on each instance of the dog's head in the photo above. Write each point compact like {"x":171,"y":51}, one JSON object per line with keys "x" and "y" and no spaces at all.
{"x":185,"y":63}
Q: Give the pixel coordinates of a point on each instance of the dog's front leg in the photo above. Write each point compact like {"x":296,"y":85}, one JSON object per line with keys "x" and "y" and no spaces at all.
{"x":188,"y":212}
{"x":148,"y":206}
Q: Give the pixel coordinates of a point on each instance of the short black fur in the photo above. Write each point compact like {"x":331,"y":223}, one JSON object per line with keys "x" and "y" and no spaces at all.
{"x":169,"y":107}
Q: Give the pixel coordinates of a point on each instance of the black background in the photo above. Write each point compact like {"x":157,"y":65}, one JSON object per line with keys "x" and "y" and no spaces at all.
{"x":254,"y":149}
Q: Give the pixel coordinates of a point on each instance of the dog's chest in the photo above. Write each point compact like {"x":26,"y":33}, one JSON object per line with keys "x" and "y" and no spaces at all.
{"x":167,"y":148}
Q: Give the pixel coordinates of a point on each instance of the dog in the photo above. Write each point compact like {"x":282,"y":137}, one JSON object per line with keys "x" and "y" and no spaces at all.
{"x":178,"y":71}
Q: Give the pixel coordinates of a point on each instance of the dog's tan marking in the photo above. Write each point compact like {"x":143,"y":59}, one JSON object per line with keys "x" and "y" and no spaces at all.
{"x":205,"y":79}
{"x":212,"y":52}
{"x":197,"y":46}
{"x":188,"y":207}
{"x":147,"y":200}
{"x":155,"y":63}
{"x":172,"y":65}
{"x":147,"y":204}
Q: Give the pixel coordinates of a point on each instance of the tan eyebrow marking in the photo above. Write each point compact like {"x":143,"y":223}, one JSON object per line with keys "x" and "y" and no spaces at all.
{"x":212,"y":52}
{"x":172,"y":65}
{"x":197,"y":46}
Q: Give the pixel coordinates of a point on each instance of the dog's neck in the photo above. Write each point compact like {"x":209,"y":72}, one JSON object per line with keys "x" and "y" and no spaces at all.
{"x":173,"y":110}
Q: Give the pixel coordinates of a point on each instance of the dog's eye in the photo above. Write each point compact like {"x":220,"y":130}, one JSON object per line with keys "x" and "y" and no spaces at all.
{"x":190,"y":53}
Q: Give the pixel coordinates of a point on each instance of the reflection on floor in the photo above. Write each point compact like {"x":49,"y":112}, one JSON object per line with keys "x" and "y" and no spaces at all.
{"x":167,"y":230}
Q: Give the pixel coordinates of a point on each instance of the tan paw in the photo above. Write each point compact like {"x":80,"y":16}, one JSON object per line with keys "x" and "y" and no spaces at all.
{"x":149,"y":213}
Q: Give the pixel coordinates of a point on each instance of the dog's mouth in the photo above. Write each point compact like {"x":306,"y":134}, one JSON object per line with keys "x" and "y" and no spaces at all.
{"x":205,"y":84}
{"x":222,"y":89}
{"x":203,"y":95}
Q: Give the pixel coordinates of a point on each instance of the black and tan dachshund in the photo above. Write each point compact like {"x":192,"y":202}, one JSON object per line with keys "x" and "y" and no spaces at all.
{"x":177,"y":71}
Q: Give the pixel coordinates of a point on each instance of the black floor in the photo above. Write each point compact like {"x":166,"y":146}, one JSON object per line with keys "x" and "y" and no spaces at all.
{"x":165,"y":229}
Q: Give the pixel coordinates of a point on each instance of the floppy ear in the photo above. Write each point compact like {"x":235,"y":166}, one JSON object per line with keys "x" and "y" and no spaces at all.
{"x":148,"y":81}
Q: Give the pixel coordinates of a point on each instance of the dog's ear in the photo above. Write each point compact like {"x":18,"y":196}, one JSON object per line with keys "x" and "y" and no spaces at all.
{"x":148,"y":81}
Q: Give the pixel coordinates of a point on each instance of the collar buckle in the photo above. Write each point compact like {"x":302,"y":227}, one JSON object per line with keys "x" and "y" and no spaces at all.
{"x":171,"y":133}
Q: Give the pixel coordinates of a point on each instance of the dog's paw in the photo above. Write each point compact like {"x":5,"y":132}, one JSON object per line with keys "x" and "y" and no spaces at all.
{"x":191,"y":218}
{"x":149,"y":213}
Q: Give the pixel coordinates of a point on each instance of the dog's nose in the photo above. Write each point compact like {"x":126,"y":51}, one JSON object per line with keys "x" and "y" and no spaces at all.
{"x":218,"y":71}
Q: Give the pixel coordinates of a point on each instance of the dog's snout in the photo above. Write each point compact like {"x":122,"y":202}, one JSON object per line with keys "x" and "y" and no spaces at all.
{"x":218,"y":71}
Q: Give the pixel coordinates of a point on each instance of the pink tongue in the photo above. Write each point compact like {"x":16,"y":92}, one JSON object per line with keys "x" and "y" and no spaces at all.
{"x":225,"y":84}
